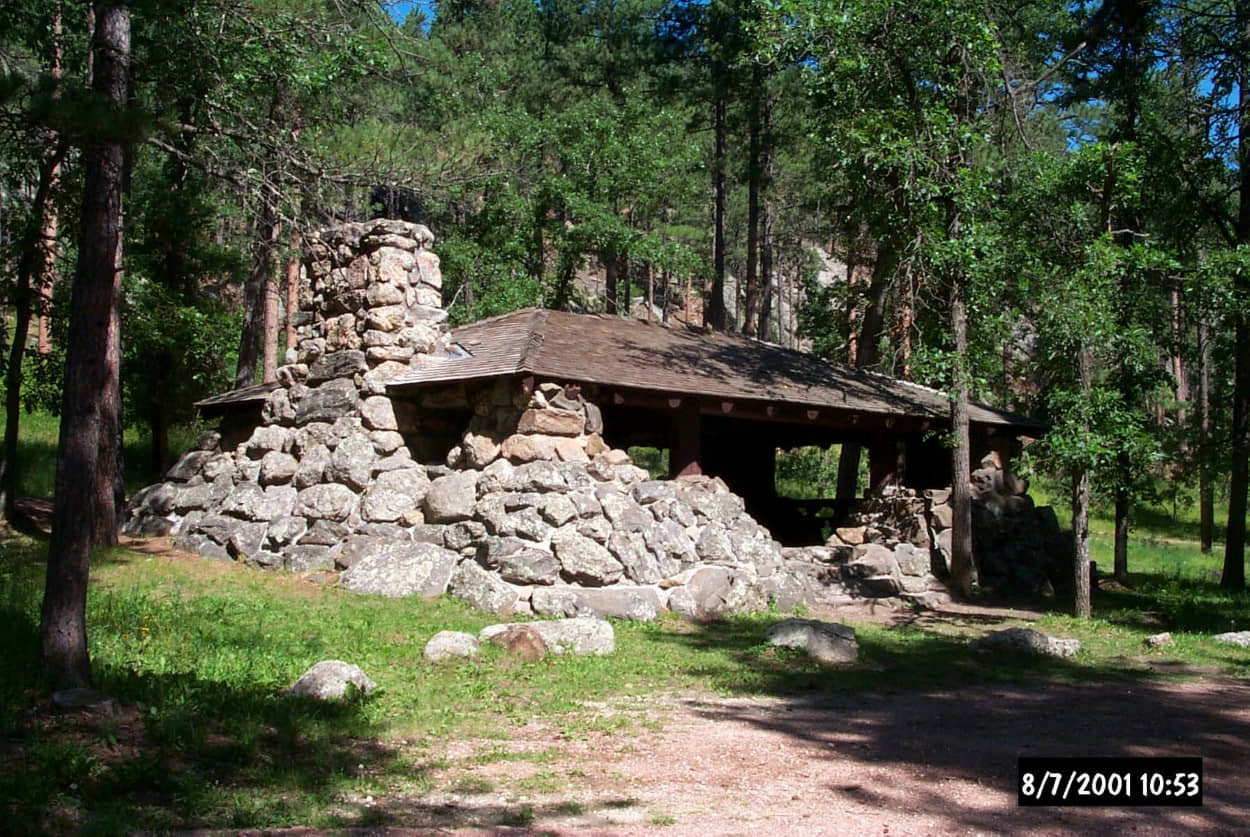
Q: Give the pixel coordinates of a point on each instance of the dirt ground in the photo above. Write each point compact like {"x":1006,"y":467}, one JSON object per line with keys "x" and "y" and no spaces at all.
{"x":910,"y":762}
{"x":939,"y":762}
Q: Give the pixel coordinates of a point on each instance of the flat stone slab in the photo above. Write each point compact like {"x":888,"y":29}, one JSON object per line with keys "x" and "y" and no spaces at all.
{"x":402,"y":569}
{"x":827,"y":642}
{"x":1028,"y":641}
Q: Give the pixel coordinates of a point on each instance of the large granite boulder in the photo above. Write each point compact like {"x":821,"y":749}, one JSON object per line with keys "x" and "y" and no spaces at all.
{"x":402,"y":569}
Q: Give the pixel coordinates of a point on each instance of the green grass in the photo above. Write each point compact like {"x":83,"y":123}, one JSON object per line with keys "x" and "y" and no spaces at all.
{"x":202,"y":650}
{"x":37,"y":443}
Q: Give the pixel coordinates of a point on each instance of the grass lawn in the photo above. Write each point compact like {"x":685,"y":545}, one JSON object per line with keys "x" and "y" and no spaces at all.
{"x":37,"y":453}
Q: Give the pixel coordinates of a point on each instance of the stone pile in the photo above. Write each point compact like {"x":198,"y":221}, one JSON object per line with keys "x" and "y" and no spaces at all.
{"x":1017,"y":546}
{"x":885,"y":549}
{"x":899,"y":543}
{"x":549,"y":422}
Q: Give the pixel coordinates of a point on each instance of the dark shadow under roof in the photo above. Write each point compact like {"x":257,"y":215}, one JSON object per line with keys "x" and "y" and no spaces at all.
{"x":678,"y":359}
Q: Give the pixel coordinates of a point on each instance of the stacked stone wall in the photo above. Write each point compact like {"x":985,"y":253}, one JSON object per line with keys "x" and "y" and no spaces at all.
{"x":899,"y":543}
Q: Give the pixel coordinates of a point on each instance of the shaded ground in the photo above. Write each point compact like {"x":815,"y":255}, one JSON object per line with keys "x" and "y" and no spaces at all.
{"x":938,"y":762}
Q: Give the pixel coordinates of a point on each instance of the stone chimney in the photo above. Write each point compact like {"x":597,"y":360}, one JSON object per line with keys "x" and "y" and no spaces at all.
{"x":370,"y":308}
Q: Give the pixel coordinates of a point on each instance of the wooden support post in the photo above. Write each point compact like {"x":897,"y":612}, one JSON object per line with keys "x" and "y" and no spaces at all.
{"x":882,"y":463}
{"x":687,"y":450}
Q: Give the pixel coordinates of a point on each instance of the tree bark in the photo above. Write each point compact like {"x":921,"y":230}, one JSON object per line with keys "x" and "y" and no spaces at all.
{"x":158,"y":423}
{"x":263,"y":246}
{"x":53,"y":157}
{"x":650,"y":289}
{"x":1080,"y":508}
{"x":766,"y":217}
{"x":611,"y":270}
{"x":872,"y":327}
{"x":28,"y":267}
{"x":1080,"y":543}
{"x":1206,"y":489}
{"x":269,"y":355}
{"x":1121,"y":535}
{"x":963,"y":570}
{"x":751,"y":294}
{"x":1234,"y":574}
{"x":714,"y":310}
{"x":90,"y":379}
{"x":292,"y":290}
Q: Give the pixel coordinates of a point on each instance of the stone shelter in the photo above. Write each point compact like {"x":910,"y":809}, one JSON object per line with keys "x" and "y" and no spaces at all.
{"x":490,"y":461}
{"x":722,"y":405}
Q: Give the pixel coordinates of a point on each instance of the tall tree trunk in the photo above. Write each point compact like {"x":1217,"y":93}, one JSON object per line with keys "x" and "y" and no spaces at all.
{"x":269,"y":341}
{"x":292,"y":289}
{"x":1234,"y":574}
{"x":263,"y":246}
{"x":158,"y":423}
{"x":1178,"y":360}
{"x":963,"y":569}
{"x":714,"y":310}
{"x":872,"y":327}
{"x":90,"y":379}
{"x":1121,"y":535}
{"x":31,"y":260}
{"x":48,"y":248}
{"x":650,"y":289}
{"x":611,"y":270}
{"x":1080,"y":543}
{"x":766,"y":216}
{"x":1080,"y":506}
{"x":751,"y":294}
{"x":1206,"y":488}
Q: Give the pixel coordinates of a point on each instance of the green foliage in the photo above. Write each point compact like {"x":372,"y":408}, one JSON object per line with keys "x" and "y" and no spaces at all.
{"x":175,"y":353}
{"x":809,"y":473}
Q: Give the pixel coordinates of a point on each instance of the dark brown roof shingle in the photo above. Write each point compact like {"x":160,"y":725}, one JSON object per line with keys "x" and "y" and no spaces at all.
{"x":676,"y":359}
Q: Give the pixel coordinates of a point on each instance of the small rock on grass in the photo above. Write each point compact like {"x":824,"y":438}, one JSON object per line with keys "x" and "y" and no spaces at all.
{"x":446,"y":645}
{"x":1028,"y":641}
{"x":1158,"y":640}
{"x":579,"y":635}
{"x":329,"y":679}
{"x":1241,"y":638}
{"x":86,"y":701}
{"x":826,"y":642}
{"x":522,"y":642}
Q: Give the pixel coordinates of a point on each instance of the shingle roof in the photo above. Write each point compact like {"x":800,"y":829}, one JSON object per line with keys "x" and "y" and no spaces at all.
{"x":633,"y":354}
{"x":253,"y":395}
